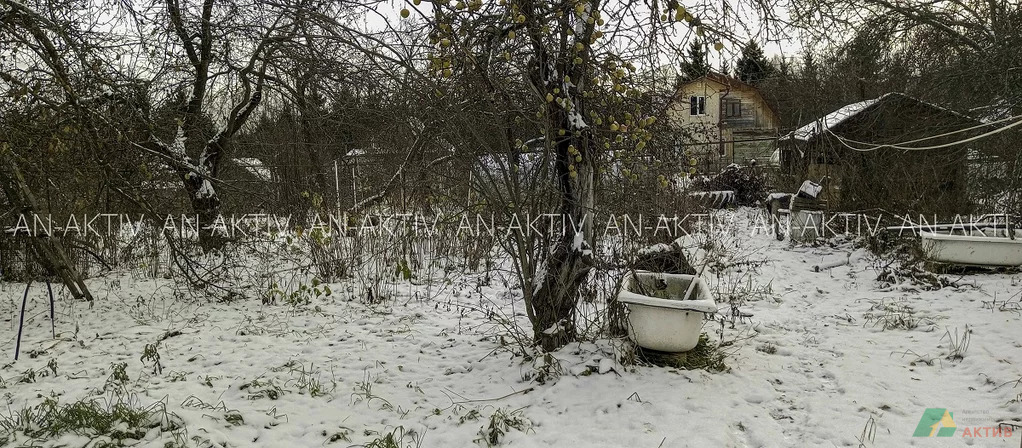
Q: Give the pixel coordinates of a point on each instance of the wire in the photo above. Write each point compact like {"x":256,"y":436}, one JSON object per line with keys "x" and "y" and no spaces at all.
{"x":845,"y":141}
{"x":983,"y":125}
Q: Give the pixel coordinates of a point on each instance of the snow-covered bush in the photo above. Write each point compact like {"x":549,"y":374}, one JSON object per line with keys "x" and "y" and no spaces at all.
{"x":890,"y":251}
{"x":667,"y":258}
{"x":748,"y":183}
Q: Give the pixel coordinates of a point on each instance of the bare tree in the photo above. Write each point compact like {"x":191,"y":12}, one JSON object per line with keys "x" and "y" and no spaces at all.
{"x":212,"y":51}
{"x":557,"y":95}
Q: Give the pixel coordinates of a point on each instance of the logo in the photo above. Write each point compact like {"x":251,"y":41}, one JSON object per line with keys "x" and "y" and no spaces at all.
{"x":936,"y":422}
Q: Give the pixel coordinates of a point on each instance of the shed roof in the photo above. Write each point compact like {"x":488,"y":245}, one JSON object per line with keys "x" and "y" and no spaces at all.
{"x":830,"y":120}
{"x":827,"y":122}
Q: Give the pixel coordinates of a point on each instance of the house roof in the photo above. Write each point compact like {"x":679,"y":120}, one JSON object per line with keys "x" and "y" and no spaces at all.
{"x":720,"y":78}
{"x":827,"y":122}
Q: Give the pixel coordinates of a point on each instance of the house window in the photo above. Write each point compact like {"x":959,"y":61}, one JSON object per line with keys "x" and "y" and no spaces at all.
{"x":697,"y":105}
{"x":732,"y":108}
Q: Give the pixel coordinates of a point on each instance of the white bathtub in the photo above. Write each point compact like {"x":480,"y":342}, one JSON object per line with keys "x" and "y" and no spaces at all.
{"x":973,"y":250}
{"x":665,"y":323}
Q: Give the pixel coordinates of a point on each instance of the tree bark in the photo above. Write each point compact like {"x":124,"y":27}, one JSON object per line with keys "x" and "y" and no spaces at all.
{"x":567,"y":266}
{"x":205,"y":202}
{"x":570,"y":261}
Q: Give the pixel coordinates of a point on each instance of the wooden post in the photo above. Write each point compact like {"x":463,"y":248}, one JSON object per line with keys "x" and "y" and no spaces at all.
{"x":21,"y":320}
{"x":53,"y":311}
{"x":337,"y":188}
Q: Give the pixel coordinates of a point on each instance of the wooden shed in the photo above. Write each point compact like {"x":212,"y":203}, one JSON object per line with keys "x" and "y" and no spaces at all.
{"x":895,"y":153}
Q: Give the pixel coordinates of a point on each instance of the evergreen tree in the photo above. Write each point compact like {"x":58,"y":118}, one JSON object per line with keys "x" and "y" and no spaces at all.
{"x":810,"y":70}
{"x":782,"y":67}
{"x":753,"y":66}
{"x":813,"y":102}
{"x":866,"y":60}
{"x":695,"y":64}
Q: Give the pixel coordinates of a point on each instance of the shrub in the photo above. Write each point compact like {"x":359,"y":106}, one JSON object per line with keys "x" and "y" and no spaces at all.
{"x":749,"y":184}
{"x":668,"y":258}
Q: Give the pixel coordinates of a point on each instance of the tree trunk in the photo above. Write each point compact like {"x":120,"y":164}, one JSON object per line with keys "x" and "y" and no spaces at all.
{"x":554,"y":301}
{"x":49,"y":250}
{"x":560,"y":279}
{"x":205,"y":202}
{"x":197,"y":175}
{"x":569,"y":263}
{"x":305,"y":117}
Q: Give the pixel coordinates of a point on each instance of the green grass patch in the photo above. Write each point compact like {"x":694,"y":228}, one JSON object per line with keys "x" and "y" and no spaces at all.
{"x":707,"y":355}
{"x":107,"y":420}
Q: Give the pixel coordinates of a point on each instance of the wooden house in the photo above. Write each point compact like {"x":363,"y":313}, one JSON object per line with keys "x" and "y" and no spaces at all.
{"x":723,"y":120}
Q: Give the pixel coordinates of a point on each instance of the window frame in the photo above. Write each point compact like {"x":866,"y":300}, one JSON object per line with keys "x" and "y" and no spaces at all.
{"x":732,"y":103}
{"x":697,"y":105}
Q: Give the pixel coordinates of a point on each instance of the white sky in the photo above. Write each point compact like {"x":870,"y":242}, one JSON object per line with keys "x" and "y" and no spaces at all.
{"x":773,"y":45}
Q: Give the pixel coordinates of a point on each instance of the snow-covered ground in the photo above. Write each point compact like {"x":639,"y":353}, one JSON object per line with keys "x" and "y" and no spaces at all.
{"x":814,"y":365}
